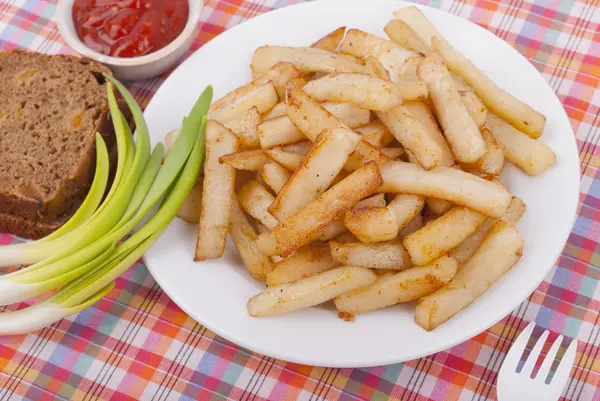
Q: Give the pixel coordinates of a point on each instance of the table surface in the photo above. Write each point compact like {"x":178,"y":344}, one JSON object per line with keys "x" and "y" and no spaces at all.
{"x":137,"y":344}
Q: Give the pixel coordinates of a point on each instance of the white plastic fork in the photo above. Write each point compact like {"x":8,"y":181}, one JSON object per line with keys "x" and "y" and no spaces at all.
{"x":513,"y":386}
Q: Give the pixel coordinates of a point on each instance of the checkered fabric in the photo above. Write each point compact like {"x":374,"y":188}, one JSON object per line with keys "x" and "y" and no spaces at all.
{"x":136,"y":344}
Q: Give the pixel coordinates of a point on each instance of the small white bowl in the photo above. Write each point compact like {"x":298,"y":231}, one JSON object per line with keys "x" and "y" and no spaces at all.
{"x":132,"y":68}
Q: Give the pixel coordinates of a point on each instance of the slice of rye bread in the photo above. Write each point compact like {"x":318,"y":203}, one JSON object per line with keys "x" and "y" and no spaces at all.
{"x":50,"y":109}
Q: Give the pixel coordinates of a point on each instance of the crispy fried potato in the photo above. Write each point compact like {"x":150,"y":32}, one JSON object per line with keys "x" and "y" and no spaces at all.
{"x":463,"y":251}
{"x":499,"y":252}
{"x":305,"y":262}
{"x":441,"y":235}
{"x":415,"y":224}
{"x":412,"y":136}
{"x":217,"y":192}
{"x":279,"y":75}
{"x":372,"y":224}
{"x":310,"y":291}
{"x":394,"y":153}
{"x":332,"y":230}
{"x":306,"y":59}
{"x":374,"y":67}
{"x":376,"y":133}
{"x":420,"y":25}
{"x":190,"y":208}
{"x":531,"y":156}
{"x":331,"y":41}
{"x":299,"y":228}
{"x":405,"y":208}
{"x":275,"y":176}
{"x":248,"y":133}
{"x":377,"y":200}
{"x":278,"y":131}
{"x":244,"y":238}
{"x":255,"y":199}
{"x":289,"y":160}
{"x":446,"y":183}
{"x":300,"y":148}
{"x":472,"y":102}
{"x":251,"y":160}
{"x":399,"y":32}
{"x":404,"y":286}
{"x":349,"y":113}
{"x":361,"y":89}
{"x":460,"y":129}
{"x":277,"y":111}
{"x":389,"y":255}
{"x":500,"y":102}
{"x":318,"y":169}
{"x":492,"y":163}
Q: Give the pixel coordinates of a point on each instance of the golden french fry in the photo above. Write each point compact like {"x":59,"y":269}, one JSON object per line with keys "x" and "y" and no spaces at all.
{"x":361,"y":89}
{"x":279,"y":75}
{"x":309,"y":291}
{"x":300,"y":148}
{"x":331,"y":41}
{"x":332,"y":230}
{"x":305,"y":262}
{"x":405,"y":208}
{"x":244,"y":238}
{"x":248,"y":133}
{"x":278,"y":131}
{"x":492,"y":163}
{"x":499,"y":252}
{"x":289,"y":160}
{"x":277,"y":111}
{"x":460,"y":129}
{"x":377,"y":200}
{"x":446,"y":183}
{"x":349,"y":113}
{"x":306,"y":59}
{"x":500,"y":102}
{"x":463,"y":251}
{"x":405,"y":286}
{"x":372,"y":224}
{"x":299,"y":228}
{"x":217,"y":192}
{"x":190,"y":208}
{"x":316,"y":172}
{"x":389,"y":255}
{"x":251,"y":160}
{"x":441,"y":235}
{"x":401,"y":33}
{"x":420,"y":25}
{"x":255,"y":199}
{"x":531,"y":156}
{"x":275,"y":176}
{"x":374,"y":67}
{"x":375,"y":133}
{"x":415,"y":224}
{"x":472,"y":102}
{"x":394,"y":153}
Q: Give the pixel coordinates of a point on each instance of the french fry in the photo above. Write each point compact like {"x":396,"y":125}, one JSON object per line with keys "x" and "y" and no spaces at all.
{"x":500,"y":102}
{"x":415,"y":224}
{"x":299,"y":228}
{"x":255,"y":199}
{"x":251,"y":160}
{"x":472,"y":102}
{"x":263,"y":97}
{"x":305,"y":262}
{"x":401,"y":33}
{"x":275,"y":176}
{"x":217,"y":192}
{"x":349,"y":113}
{"x":361,"y":89}
{"x":441,"y":235}
{"x":460,"y":129}
{"x":405,"y":286}
{"x":278,"y":131}
{"x":492,"y":163}
{"x":412,"y":136}
{"x":310,"y":291}
{"x":306,"y":59}
{"x":499,"y":252}
{"x":394,"y":153}
{"x":318,"y":169}
{"x":248,"y":133}
{"x":377,"y":200}
{"x":375,"y":133}
{"x":289,"y":160}
{"x":372,"y":224}
{"x":389,"y":255}
{"x":463,"y":251}
{"x":374,"y":67}
{"x":332,"y":230}
{"x":331,"y":41}
{"x":190,"y":208}
{"x":405,"y":208}
{"x":277,"y":111}
{"x":244,"y":238}
{"x":279,"y":75}
{"x":420,"y":25}
{"x":446,"y":183}
{"x":531,"y":156}
{"x":300,"y":148}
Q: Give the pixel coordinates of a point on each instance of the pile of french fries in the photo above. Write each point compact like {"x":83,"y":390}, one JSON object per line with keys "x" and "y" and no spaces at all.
{"x":364,"y":170}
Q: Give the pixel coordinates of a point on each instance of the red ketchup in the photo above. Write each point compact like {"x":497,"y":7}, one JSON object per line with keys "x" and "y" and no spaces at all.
{"x":129,"y":28}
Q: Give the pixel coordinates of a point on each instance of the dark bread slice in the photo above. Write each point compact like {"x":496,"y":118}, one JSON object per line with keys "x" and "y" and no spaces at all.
{"x":50,"y":109}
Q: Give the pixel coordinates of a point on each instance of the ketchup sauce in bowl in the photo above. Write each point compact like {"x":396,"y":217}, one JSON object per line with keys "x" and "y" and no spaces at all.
{"x":129,"y":28}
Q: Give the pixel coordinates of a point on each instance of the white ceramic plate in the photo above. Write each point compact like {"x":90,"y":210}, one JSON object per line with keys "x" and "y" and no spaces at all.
{"x":215,"y":292}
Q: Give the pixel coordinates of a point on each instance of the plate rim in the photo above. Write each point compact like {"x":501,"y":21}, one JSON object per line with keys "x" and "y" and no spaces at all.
{"x":485,"y":325}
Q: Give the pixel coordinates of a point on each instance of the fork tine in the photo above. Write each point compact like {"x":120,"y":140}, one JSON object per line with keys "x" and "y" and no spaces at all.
{"x":514,"y":354}
{"x":542,"y":374}
{"x":566,"y":364}
{"x":534,"y":354}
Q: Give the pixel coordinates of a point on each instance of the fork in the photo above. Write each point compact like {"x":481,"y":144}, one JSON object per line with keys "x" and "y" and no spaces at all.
{"x":519,"y":386}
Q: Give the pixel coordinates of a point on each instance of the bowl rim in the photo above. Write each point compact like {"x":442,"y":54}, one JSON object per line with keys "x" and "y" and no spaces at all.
{"x":66,"y":28}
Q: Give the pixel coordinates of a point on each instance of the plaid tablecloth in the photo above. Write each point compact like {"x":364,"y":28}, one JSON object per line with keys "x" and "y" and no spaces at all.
{"x":136,"y":344}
